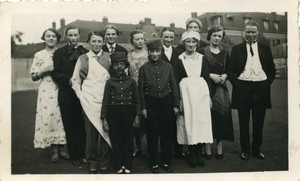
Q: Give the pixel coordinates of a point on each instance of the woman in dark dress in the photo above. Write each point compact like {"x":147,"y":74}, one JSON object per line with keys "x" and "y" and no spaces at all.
{"x":217,"y":60}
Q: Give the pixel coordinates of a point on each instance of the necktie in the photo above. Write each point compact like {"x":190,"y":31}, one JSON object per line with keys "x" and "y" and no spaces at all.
{"x":112,"y":49}
{"x":251,"y":50}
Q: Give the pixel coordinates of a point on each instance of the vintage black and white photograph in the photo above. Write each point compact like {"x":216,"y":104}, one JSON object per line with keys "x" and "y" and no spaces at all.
{"x":152,"y":89}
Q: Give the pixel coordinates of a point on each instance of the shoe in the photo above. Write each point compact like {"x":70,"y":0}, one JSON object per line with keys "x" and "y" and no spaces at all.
{"x":55,"y":158}
{"x":137,"y":153}
{"x":167,"y":168}
{"x":120,"y":171}
{"x":207,"y":157}
{"x":192,"y":162}
{"x":259,"y":155}
{"x":104,"y":169}
{"x":200,"y":162}
{"x":76,"y":162}
{"x":155,"y":169}
{"x":64,"y":155}
{"x":92,"y":168}
{"x":244,"y":156}
{"x":219,"y":156}
{"x":83,"y":161}
{"x":127,"y":171}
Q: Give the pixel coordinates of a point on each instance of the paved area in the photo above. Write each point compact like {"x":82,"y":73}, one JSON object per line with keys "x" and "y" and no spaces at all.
{"x":27,"y":160}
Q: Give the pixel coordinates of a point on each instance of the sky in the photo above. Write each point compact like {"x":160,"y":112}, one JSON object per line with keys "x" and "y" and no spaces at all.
{"x":33,"y":25}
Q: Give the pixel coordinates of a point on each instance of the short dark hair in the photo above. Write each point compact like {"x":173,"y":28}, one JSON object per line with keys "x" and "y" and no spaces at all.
{"x":57,"y":34}
{"x":136,"y":31}
{"x":167,"y":29}
{"x":97,"y":33}
{"x":71,"y":28}
{"x":213,"y":29}
{"x":111,"y":27}
{"x":252,"y":23}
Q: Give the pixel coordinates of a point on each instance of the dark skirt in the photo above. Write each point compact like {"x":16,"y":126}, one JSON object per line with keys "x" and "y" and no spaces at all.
{"x":222,"y":126}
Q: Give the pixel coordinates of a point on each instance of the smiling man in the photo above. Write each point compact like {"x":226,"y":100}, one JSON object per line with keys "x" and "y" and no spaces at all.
{"x":111,"y":34}
{"x":251,"y":71}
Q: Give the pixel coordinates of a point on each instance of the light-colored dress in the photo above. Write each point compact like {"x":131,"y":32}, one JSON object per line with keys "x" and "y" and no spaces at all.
{"x":196,"y":126}
{"x":48,"y":123}
{"x":136,"y":63}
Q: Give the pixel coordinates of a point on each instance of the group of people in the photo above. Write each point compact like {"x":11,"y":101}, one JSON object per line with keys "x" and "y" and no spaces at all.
{"x":99,"y":101}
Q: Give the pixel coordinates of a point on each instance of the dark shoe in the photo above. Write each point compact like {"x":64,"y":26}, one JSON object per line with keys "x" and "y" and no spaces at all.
{"x":64,"y":155}
{"x":154,"y":169}
{"x":200,"y":162}
{"x":259,"y":155}
{"x":219,"y":156}
{"x":83,"y":161}
{"x":76,"y":162}
{"x":92,"y":168}
{"x":166,"y":168}
{"x":137,"y":153}
{"x":244,"y":156}
{"x":104,"y":169}
{"x":55,"y":158}
{"x":121,"y":171}
{"x":127,"y":171}
{"x":207,"y":157}
{"x":192,"y":162}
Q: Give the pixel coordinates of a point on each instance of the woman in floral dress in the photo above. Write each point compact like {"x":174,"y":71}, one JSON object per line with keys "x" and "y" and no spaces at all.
{"x":49,"y":130}
{"x":137,"y":58}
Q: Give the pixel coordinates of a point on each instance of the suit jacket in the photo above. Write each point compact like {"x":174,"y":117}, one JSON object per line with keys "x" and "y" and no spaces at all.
{"x":64,"y":60}
{"x":174,"y":56}
{"x":118,"y":48}
{"x":237,"y":64}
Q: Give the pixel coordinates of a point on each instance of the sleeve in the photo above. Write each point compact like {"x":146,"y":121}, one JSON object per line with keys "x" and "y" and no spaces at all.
{"x":174,"y":87}
{"x":136,"y":98}
{"x":271,"y":66}
{"x":231,"y":63}
{"x":57,"y":74}
{"x":205,"y":73}
{"x":105,"y":101}
{"x":76,"y":78}
{"x":35,"y":67}
{"x":141,"y":84}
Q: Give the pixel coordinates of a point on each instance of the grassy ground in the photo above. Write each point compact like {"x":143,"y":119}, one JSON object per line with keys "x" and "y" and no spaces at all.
{"x":27,"y":160}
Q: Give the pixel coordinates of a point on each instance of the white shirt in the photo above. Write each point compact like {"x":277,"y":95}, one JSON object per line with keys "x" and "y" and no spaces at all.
{"x":109,"y":46}
{"x":253,"y":70}
{"x":168,"y":52}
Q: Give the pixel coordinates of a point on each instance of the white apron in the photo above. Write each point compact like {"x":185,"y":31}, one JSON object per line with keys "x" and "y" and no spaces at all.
{"x":195,"y":127}
{"x":92,"y":95}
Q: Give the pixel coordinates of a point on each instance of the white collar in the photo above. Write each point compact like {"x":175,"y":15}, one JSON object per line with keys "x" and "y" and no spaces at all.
{"x":167,"y":49}
{"x":108,"y":45}
{"x":93,"y":54}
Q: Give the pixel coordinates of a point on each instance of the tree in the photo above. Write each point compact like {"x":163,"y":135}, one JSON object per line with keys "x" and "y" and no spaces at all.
{"x":14,"y":39}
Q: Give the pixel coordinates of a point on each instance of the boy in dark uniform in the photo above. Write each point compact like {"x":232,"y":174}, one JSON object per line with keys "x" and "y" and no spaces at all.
{"x":159,"y":101}
{"x":120,"y":112}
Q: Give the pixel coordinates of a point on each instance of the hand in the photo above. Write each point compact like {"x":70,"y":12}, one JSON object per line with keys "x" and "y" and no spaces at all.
{"x":144,"y":112}
{"x":176,"y":110}
{"x":223,"y":78}
{"x":105,"y":125}
{"x":136,"y":122}
{"x":216,"y":78}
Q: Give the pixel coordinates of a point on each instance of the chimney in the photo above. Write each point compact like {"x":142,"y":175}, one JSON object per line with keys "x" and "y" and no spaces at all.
{"x":62,"y":23}
{"x":105,"y":20}
{"x":54,"y":25}
{"x":172,"y":25}
{"x":273,"y":13}
{"x":148,"y":21}
{"x":194,"y":15}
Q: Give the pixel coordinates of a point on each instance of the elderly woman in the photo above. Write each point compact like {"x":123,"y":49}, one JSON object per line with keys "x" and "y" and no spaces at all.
{"x":193,"y":77}
{"x":137,"y":57}
{"x":49,"y":130}
{"x":217,"y":60}
{"x":193,"y":24}
{"x":88,"y":81}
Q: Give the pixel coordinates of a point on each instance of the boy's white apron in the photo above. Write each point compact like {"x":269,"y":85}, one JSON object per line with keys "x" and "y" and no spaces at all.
{"x":195,"y":126}
{"x":92,"y":94}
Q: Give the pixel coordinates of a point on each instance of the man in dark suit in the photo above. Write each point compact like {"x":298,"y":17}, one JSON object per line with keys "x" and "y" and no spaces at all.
{"x":170,"y":54}
{"x":64,"y":60}
{"x":251,"y":71}
{"x":111,"y":34}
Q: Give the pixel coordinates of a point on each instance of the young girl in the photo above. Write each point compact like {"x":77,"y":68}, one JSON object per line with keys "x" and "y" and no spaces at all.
{"x":120,"y":110}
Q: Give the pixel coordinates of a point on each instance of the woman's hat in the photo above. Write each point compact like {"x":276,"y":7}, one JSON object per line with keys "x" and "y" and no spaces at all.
{"x":119,"y":57}
{"x":190,"y":34}
{"x":153,"y":44}
{"x":196,"y":20}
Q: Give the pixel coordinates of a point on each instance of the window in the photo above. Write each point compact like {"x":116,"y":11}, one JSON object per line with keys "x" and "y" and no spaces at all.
{"x":276,"y":25}
{"x":266,"y":24}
